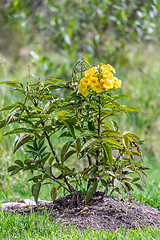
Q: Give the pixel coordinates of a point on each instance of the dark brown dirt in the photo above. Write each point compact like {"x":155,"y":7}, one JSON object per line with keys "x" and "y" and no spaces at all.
{"x":108,"y":214}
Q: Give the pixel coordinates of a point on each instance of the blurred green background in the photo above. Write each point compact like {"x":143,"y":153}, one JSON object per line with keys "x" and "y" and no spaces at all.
{"x":51,"y":36}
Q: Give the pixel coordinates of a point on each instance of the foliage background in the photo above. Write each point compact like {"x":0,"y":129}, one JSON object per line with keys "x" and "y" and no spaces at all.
{"x":51,"y":35}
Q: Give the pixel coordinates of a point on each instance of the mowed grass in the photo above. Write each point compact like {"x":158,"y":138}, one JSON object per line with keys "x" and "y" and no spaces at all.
{"x":39,"y":227}
{"x":140,"y":78}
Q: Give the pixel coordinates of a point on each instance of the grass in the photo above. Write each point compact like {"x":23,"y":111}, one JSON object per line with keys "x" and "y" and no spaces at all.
{"x":140,"y":78}
{"x":39,"y":227}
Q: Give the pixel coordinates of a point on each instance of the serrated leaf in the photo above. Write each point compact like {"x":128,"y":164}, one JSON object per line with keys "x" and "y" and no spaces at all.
{"x":91,"y":191}
{"x":21,"y":140}
{"x":112,"y":141}
{"x":18,"y":130}
{"x":88,"y":134}
{"x":108,"y":153}
{"x":89,"y":144}
{"x":35,"y":190}
{"x":11,"y":114}
{"x":53,"y":193}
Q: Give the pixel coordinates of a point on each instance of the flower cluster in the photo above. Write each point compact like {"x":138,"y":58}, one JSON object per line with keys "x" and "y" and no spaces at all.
{"x":98,"y":79}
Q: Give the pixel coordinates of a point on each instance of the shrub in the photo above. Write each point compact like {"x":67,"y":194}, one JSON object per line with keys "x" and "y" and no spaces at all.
{"x":86,"y":118}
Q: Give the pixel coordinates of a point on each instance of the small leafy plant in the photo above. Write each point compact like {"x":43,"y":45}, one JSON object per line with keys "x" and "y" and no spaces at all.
{"x":85,"y":120}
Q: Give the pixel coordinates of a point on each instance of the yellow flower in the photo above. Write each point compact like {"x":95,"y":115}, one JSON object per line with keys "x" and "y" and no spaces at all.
{"x":107,"y":84}
{"x":93,"y":81}
{"x":117,"y":83}
{"x":97,"y":87}
{"x":108,"y":67}
{"x":83,"y":89}
{"x":98,"y":78}
{"x":85,"y":81}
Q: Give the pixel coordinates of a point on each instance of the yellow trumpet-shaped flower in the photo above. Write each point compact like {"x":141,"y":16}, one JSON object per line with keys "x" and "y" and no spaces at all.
{"x":117,"y":83}
{"x":97,"y":87}
{"x":85,"y":81}
{"x":93,"y":81}
{"x":99,"y":78}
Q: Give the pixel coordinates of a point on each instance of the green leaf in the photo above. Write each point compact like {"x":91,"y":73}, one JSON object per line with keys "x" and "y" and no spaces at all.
{"x":9,"y":107}
{"x":129,"y":185}
{"x":70,"y":153}
{"x":113,"y":142}
{"x":115,"y":125}
{"x":91,"y":126}
{"x":91,"y":190}
{"x":53,"y":193}
{"x":18,"y":130}
{"x":71,"y":129}
{"x":48,"y":171}
{"x":89,"y":144}
{"x":121,"y":96}
{"x":135,"y":179}
{"x":108,"y":153}
{"x":35,"y":190}
{"x":20,"y":163}
{"x":11,"y":168}
{"x":64,"y":150}
{"x":104,"y":183}
{"x":21,"y":140}
{"x":78,"y":146}
{"x":130,"y":109}
{"x":132,"y":135}
{"x":139,"y":186}
{"x":126,"y":141}
{"x":16,"y":170}
{"x":11,"y":114}
{"x":12,"y":83}
{"x":35,"y":178}
{"x":62,"y":168}
{"x":65,"y":134}
{"x":51,"y":160}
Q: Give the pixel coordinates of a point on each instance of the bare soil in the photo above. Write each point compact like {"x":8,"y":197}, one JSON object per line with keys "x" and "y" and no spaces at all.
{"x":108,"y":213}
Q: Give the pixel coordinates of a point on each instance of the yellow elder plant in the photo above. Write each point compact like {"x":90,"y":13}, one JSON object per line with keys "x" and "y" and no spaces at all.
{"x":86,"y":121}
